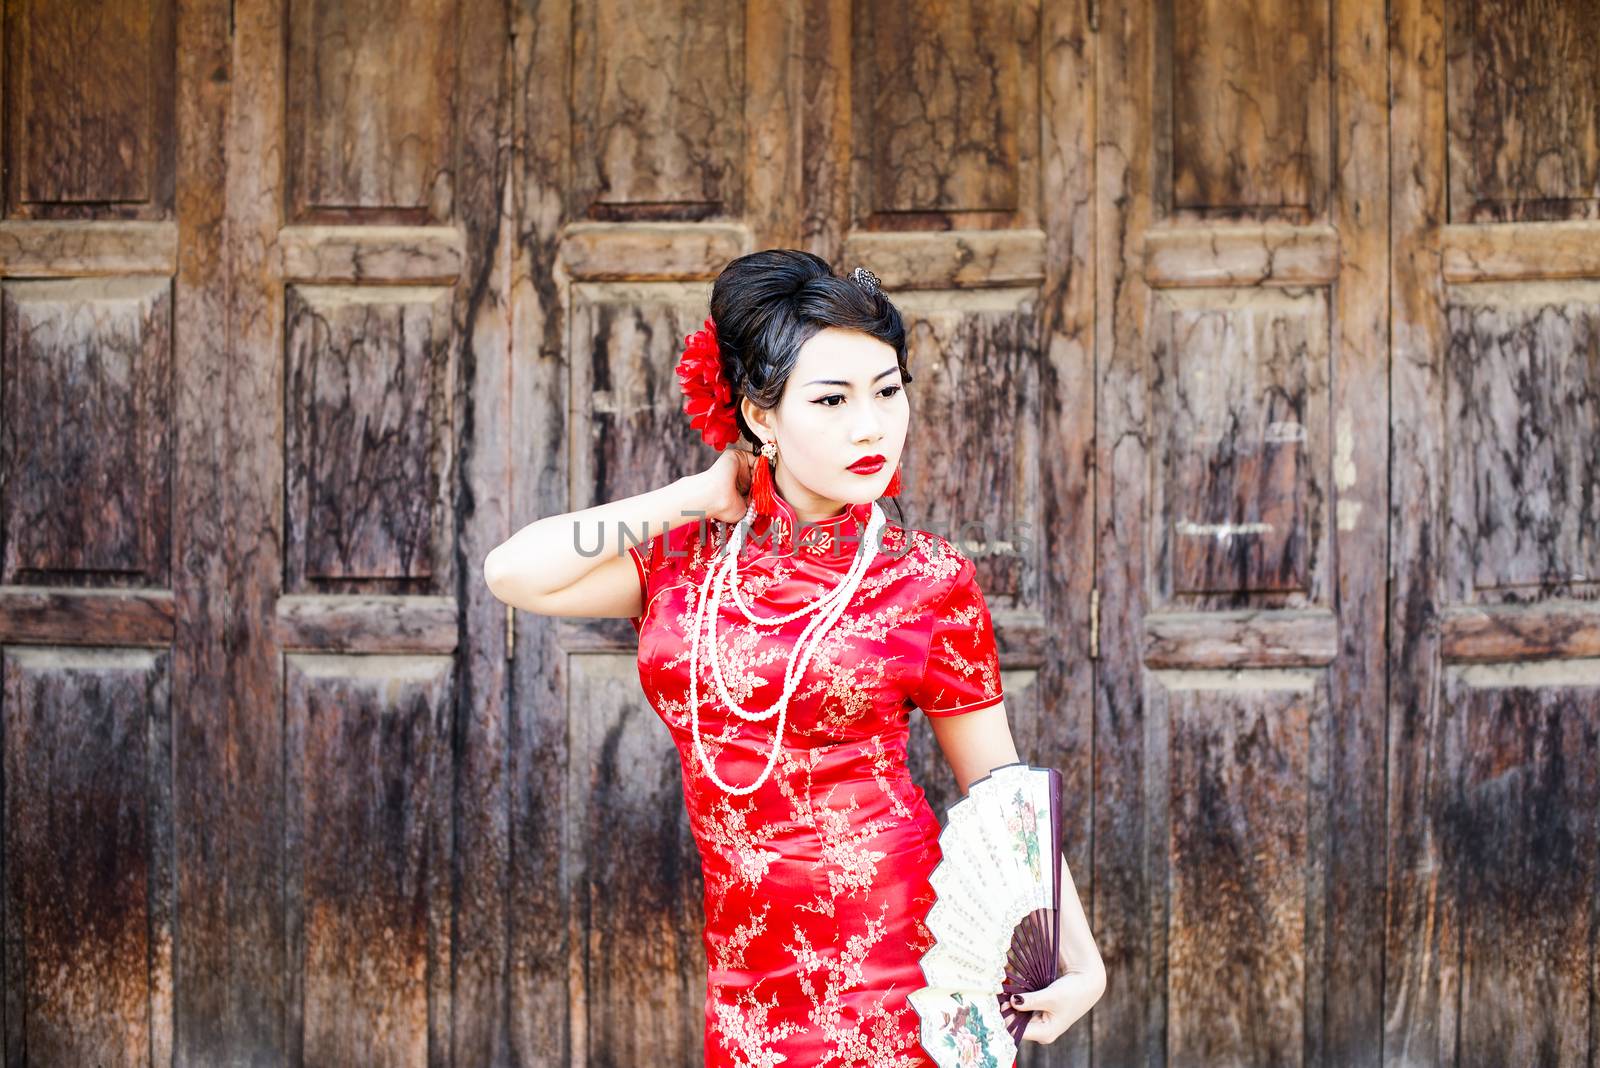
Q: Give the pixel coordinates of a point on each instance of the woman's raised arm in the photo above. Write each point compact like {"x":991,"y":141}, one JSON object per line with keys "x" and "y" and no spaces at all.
{"x":576,"y":563}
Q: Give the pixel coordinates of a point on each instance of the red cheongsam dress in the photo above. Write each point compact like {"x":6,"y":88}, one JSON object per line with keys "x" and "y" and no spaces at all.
{"x":816,"y":883}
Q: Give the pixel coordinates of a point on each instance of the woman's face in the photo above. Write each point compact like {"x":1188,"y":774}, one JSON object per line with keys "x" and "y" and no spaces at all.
{"x":844,"y":401}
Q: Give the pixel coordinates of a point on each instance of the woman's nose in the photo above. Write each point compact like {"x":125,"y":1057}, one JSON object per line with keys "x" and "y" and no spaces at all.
{"x":868,"y":429}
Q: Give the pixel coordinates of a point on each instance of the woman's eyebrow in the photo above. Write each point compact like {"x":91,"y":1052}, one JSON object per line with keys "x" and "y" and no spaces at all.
{"x":837,"y":382}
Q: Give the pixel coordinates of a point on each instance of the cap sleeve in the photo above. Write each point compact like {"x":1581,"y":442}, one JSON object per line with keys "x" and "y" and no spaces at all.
{"x":962,"y":672}
{"x":650,"y":560}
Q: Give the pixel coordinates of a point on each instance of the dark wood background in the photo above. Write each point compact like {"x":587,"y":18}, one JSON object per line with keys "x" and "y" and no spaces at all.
{"x":1257,"y":356}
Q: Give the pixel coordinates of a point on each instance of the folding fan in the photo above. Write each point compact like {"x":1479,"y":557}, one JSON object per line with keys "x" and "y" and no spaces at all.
{"x":996,"y":918}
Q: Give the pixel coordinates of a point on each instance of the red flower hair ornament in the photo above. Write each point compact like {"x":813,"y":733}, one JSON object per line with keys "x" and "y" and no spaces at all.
{"x":707,"y":397}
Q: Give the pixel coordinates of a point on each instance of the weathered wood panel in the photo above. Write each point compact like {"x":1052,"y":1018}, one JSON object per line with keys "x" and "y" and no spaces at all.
{"x":1246,"y":816}
{"x":1243,"y":407}
{"x":87,"y":430}
{"x":530,"y":464}
{"x":1249,"y":105}
{"x":949,"y":91}
{"x":1420,"y":1026}
{"x":372,"y":120}
{"x":1523,"y":107}
{"x":88,"y":896}
{"x":367,"y":857}
{"x":480,"y":480}
{"x":1522,"y":411}
{"x":1524,"y":252}
{"x":256,"y":976}
{"x":631,"y":414}
{"x":76,"y":248}
{"x":367,"y":437}
{"x":1540,"y":630}
{"x":657,"y":94}
{"x":89,"y":107}
{"x":975,"y":360}
{"x":111,"y":340}
{"x":1242,"y":254}
{"x":1520,"y":786}
{"x":637,"y":961}
{"x":944,"y":100}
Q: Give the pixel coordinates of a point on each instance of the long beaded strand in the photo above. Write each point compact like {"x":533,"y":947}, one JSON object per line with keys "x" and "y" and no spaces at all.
{"x":830,"y":607}
{"x":836,"y":602}
{"x":808,"y":642}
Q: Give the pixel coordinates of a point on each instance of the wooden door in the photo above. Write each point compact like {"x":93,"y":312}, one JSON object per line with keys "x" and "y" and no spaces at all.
{"x":1238,"y":735}
{"x":112,"y":617}
{"x":365,"y":808}
{"x":1494,"y":761}
{"x":251,"y":686}
{"x":947,"y":148}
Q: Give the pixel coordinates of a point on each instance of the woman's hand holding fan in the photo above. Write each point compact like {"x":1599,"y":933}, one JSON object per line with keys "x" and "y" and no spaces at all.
{"x":996,"y":920}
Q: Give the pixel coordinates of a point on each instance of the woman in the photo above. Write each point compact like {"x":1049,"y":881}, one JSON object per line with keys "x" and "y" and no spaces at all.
{"x":785,"y":653}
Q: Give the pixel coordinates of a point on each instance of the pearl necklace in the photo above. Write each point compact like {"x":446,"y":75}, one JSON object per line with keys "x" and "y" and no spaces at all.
{"x":829,"y":607}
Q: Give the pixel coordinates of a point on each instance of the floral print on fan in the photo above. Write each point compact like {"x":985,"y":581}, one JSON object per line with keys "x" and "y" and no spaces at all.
{"x":964,"y":1032}
{"x":816,"y":884}
{"x":1022,"y":823}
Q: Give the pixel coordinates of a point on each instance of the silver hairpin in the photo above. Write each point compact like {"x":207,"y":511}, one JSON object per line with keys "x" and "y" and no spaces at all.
{"x":865,"y":279}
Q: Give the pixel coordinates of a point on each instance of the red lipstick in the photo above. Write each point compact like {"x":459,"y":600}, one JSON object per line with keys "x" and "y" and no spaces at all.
{"x":868,"y":465}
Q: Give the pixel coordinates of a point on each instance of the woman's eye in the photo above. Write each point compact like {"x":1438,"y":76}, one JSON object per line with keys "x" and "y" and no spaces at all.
{"x":887,"y":391}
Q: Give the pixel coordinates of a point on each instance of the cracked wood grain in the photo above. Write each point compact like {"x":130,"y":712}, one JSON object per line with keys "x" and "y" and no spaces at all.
{"x":1241,"y":459}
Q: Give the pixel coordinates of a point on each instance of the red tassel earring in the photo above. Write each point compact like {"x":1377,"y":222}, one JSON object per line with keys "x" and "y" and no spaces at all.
{"x":894,"y":484}
{"x":761,"y":487}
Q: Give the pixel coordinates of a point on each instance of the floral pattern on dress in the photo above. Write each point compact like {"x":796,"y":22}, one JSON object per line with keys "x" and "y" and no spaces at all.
{"x":729,"y":833}
{"x":816,"y":884}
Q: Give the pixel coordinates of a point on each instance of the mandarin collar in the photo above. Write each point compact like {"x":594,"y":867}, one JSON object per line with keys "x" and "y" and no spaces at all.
{"x":834,"y":538}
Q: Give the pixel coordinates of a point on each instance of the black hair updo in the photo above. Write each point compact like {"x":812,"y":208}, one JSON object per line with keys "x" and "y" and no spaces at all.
{"x":767,"y":304}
